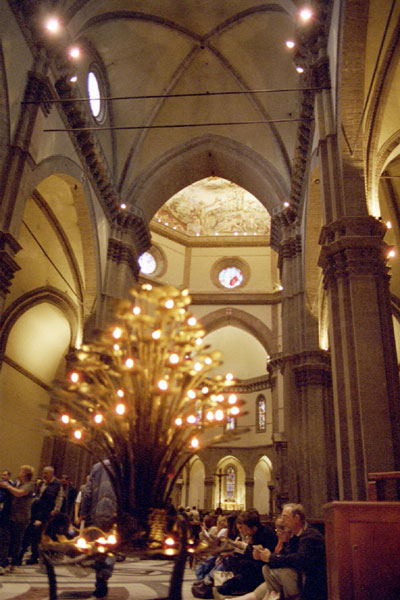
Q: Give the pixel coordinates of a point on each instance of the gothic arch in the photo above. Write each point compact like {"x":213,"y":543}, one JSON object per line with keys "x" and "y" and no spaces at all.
{"x":242,"y":320}
{"x":30,"y":299}
{"x":263,"y":476}
{"x":203,"y":157}
{"x":71,"y":174}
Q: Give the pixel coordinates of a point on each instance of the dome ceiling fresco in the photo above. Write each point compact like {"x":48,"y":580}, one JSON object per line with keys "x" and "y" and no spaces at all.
{"x":214,"y":206}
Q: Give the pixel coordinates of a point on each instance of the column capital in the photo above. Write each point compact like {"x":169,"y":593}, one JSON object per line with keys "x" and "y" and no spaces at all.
{"x":353,"y":247}
{"x":122,"y":253}
{"x":311,"y":359}
{"x":312,"y":374}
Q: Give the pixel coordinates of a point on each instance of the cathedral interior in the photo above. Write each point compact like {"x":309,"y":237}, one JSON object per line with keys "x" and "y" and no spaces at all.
{"x":248,"y":151}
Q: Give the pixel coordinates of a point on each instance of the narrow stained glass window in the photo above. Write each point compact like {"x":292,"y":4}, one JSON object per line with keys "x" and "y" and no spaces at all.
{"x":261,"y":414}
{"x":230,"y":484}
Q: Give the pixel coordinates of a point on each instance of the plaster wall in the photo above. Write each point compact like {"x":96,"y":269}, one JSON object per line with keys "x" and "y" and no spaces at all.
{"x":42,"y":259}
{"x":17,"y":58}
{"x":26,"y":407}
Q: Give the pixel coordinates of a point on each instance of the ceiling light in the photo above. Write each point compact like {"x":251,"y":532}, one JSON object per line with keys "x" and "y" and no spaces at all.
{"x":74,"y":52}
{"x":290,"y":44}
{"x":305,"y":14}
{"x":52,"y":25}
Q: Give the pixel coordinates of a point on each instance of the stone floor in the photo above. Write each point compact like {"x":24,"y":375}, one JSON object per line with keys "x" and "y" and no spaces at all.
{"x":132,"y":579}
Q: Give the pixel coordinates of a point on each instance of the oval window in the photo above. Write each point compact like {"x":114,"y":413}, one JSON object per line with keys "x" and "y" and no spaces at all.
{"x":94,"y":95}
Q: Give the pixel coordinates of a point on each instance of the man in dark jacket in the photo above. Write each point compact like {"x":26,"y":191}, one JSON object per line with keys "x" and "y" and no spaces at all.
{"x":48,"y":502}
{"x":99,"y":508}
{"x":299,"y":570}
{"x":5,"y":512}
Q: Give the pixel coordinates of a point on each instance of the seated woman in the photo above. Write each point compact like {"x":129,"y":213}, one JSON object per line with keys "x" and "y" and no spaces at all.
{"x":60,"y":540}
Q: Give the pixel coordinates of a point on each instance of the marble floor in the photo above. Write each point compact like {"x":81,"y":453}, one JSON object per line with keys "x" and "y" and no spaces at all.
{"x":132,"y":579}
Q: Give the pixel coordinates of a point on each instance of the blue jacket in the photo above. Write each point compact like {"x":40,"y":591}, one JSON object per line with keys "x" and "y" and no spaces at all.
{"x":99,"y":503}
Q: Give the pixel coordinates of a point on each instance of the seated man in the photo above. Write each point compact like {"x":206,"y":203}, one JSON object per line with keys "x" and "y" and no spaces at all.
{"x":299,"y":569}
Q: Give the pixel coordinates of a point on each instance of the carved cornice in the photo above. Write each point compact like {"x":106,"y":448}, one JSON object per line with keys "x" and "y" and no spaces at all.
{"x":353,"y":247}
{"x":8,"y":266}
{"x":257,"y":384}
{"x":39,"y":89}
{"x":289,"y":248}
{"x":308,"y":360}
{"x":222,"y":298}
{"x":312,"y":374}
{"x":121,"y":253}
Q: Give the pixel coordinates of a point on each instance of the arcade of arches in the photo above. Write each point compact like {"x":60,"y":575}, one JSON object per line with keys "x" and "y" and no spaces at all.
{"x":264,"y":178}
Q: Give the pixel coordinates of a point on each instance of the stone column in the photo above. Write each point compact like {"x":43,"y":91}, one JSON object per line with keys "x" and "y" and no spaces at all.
{"x":356,"y":281}
{"x":208,"y":493}
{"x":249,"y":493}
{"x":365,"y":374}
{"x":306,"y":472}
{"x":122,"y":270}
{"x":12,"y":174}
{"x":281,"y":488}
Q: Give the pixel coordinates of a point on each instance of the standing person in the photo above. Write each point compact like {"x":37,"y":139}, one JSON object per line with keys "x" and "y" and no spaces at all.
{"x":70,"y":494}
{"x":49,"y":500}
{"x":20,"y":511}
{"x":99,"y":508}
{"x":5,"y":511}
{"x":299,"y":570}
{"x":78,"y":500}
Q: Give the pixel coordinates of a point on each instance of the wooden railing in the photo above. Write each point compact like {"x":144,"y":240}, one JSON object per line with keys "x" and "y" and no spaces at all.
{"x":376,"y":485}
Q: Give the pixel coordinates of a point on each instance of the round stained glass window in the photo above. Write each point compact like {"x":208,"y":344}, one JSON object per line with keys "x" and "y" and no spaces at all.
{"x":94,"y":94}
{"x":147,"y":263}
{"x":230,"y":277}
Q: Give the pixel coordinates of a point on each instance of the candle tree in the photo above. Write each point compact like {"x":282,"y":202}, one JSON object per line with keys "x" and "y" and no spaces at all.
{"x":142,"y":395}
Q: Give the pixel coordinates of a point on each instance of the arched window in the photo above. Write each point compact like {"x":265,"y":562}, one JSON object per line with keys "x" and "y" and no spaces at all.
{"x":261,"y":414}
{"x":230,"y":423}
{"x":230,"y":484}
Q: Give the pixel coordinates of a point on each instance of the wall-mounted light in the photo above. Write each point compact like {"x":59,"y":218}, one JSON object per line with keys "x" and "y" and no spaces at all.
{"x":290,"y":44}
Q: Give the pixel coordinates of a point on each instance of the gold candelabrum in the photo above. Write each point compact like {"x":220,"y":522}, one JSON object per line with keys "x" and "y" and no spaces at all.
{"x":141,"y":395}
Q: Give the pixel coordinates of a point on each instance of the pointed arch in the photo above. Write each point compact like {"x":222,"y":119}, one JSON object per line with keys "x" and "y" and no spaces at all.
{"x":202,"y":157}
{"x":242,"y":320}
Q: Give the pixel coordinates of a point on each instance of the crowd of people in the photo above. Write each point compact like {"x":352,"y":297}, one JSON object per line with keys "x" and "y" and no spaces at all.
{"x":247,"y":560}
{"x":48,"y":508}
{"x":256,"y":562}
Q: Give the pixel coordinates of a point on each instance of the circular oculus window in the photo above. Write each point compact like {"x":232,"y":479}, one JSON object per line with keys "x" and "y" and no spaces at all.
{"x":230,"y":273}
{"x":153,"y":262}
{"x":147,"y":263}
{"x":230,"y":277}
